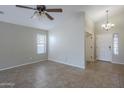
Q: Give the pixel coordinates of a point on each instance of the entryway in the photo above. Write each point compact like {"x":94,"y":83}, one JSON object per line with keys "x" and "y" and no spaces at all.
{"x":104,"y":47}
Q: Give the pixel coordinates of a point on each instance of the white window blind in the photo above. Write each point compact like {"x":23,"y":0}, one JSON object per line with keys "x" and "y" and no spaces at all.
{"x":41,"y":43}
{"x":115,"y":44}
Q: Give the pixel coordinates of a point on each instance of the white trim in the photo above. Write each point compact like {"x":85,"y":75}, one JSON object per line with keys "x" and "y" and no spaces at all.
{"x":117,"y":63}
{"x":6,"y":68}
{"x":61,"y":62}
{"x":104,"y":61}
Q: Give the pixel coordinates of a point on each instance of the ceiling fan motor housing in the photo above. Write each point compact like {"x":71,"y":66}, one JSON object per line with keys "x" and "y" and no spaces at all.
{"x":41,"y":8}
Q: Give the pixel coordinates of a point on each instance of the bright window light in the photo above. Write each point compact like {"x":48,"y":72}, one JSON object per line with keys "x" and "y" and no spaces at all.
{"x":116,"y":44}
{"x":41,"y":43}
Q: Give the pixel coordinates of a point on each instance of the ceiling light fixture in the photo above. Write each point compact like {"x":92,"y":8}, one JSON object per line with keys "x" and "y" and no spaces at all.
{"x":38,"y":15}
{"x":107,"y":26}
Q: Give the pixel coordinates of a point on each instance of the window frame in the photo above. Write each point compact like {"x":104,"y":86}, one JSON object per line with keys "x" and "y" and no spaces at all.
{"x":41,"y":42}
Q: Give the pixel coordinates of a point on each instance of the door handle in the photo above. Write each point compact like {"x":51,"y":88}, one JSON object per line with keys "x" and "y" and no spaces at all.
{"x":109,"y":47}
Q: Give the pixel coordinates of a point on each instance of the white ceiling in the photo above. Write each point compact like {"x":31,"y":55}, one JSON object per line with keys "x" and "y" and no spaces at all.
{"x":21,"y":16}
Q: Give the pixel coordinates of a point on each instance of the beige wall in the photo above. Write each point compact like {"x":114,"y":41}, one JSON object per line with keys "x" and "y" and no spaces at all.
{"x":66,"y":41}
{"x":18,"y":45}
{"x":118,"y":20}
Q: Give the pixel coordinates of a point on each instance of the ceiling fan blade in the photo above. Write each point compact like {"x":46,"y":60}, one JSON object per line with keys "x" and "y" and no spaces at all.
{"x":49,"y":16}
{"x":21,"y":6}
{"x":54,"y":10}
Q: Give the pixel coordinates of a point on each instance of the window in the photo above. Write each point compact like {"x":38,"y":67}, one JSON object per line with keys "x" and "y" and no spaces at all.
{"x":115,"y":44}
{"x":41,"y":43}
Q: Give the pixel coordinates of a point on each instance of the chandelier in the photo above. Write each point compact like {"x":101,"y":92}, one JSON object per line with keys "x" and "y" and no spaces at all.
{"x":107,"y":26}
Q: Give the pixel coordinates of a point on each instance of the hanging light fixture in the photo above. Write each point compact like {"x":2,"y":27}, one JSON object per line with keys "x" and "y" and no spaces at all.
{"x":38,"y":15}
{"x":107,"y":26}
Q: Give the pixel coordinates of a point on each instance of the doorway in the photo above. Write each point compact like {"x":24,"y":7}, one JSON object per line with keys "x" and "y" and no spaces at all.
{"x":89,"y":46}
{"x":104,"y":47}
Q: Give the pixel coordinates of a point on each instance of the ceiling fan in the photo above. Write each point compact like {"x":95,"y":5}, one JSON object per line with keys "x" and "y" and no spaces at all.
{"x":41,"y":9}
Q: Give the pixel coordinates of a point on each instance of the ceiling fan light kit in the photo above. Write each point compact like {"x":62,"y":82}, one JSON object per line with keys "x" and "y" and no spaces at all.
{"x":38,"y":15}
{"x":107,"y":26}
{"x":41,"y":10}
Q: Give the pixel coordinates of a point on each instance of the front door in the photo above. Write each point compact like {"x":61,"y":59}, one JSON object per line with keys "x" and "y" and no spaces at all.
{"x":104,"y":47}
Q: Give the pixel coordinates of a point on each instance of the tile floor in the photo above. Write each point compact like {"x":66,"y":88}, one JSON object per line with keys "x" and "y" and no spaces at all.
{"x":48,"y":74}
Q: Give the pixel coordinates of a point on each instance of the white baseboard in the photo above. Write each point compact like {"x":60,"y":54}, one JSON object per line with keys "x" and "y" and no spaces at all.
{"x":58,"y":61}
{"x":1,"y":69}
{"x":117,"y":63}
